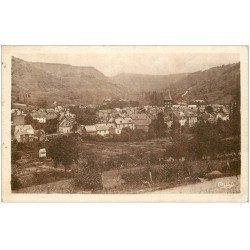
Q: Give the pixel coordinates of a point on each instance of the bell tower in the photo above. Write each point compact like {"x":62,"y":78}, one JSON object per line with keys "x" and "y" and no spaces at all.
{"x":168,"y":101}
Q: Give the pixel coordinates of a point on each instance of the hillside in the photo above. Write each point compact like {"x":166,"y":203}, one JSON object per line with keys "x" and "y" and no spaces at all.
{"x":142,"y":82}
{"x":34,"y":82}
{"x":60,"y":82}
{"x":217,"y":84}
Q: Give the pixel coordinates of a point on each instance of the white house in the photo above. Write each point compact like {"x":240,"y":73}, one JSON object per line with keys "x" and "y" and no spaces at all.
{"x":102,"y":129}
{"x":191,"y":118}
{"x":192,"y":106}
{"x":42,"y":153}
{"x":91,"y":129}
{"x":113,"y":129}
{"x":180,"y":118}
{"x":124,"y":123}
{"x":222,"y":116}
{"x":39,"y":116}
{"x":24,"y":133}
{"x":66,"y":125}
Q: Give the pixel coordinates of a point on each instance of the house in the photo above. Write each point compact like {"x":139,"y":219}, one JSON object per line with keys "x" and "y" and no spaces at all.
{"x":170,"y":159}
{"x":81,"y":129}
{"x":124,"y":123}
{"x":18,"y":120}
{"x":222,"y":116}
{"x":50,"y":111}
{"x":16,"y":111}
{"x":208,"y":117}
{"x":211,"y":118}
{"x":192,"y":106}
{"x":66,"y":125}
{"x":19,"y":106}
{"x":168,"y":120}
{"x":202,"y":108}
{"x":199,"y":101}
{"x":102,"y":129}
{"x":69,"y":115}
{"x":176,"y":106}
{"x":180,"y":118}
{"x":141,"y":121}
{"x":191,"y":118}
{"x":24,"y":133}
{"x":61,"y":116}
{"x":42,"y":153}
{"x":58,"y":109}
{"x":142,"y":124}
{"x":217,"y":107}
{"x":91,"y":130}
{"x":40,"y":116}
{"x":111,"y":127}
{"x":51,"y":116}
{"x":104,"y":114}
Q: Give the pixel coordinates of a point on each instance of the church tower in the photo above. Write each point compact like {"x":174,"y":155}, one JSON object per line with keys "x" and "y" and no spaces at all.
{"x":168,"y":101}
{"x":168,"y":113}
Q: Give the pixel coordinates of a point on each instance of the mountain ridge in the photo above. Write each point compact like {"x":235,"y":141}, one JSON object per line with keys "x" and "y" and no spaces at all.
{"x":60,"y":82}
{"x":66,"y":83}
{"x":216,"y":84}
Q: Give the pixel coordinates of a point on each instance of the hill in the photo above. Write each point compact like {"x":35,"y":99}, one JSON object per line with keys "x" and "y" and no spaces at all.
{"x":217,"y":84}
{"x":36,"y":82}
{"x":141,"y":82}
{"x":60,"y":82}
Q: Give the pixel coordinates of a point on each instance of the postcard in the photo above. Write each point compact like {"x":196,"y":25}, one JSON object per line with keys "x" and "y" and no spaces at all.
{"x":125,"y":123}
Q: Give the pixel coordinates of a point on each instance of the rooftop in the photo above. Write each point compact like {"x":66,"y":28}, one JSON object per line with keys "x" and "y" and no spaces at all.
{"x":167,"y":96}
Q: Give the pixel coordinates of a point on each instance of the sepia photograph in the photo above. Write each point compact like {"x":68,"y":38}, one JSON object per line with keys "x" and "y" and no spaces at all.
{"x":125,"y":123}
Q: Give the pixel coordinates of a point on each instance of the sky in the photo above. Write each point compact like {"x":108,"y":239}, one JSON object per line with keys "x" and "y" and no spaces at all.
{"x":138,"y":63}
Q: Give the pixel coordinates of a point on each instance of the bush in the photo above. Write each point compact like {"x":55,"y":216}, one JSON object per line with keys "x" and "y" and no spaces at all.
{"x":135,"y":177}
{"x":235,"y":167}
{"x":15,"y":182}
{"x":88,"y":177}
{"x":47,"y":177}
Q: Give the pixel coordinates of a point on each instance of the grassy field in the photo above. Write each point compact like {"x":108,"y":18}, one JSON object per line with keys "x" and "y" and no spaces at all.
{"x":124,"y":166}
{"x":106,"y":150}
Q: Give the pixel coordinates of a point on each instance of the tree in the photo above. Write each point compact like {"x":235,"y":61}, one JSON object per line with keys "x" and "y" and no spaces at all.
{"x":209,"y":109}
{"x":64,"y":150}
{"x":158,"y":126}
{"x":51,"y":126}
{"x":206,"y":141}
{"x":28,"y":119}
{"x":15,"y":180}
{"x":126,"y":134}
{"x":88,"y":175}
{"x":235,"y":116}
{"x":139,"y":135}
{"x":15,"y":155}
{"x":42,"y":103}
{"x":179,"y":148}
{"x":84,"y":116}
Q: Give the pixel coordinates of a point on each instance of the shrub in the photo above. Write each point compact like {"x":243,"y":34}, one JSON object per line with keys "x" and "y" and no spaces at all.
{"x":135,"y":177}
{"x":235,"y":167}
{"x":15,"y":182}
{"x":88,"y":177}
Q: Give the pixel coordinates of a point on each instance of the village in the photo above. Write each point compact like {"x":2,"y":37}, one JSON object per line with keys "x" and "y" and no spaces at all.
{"x":111,"y":121}
{"x":111,"y":132}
